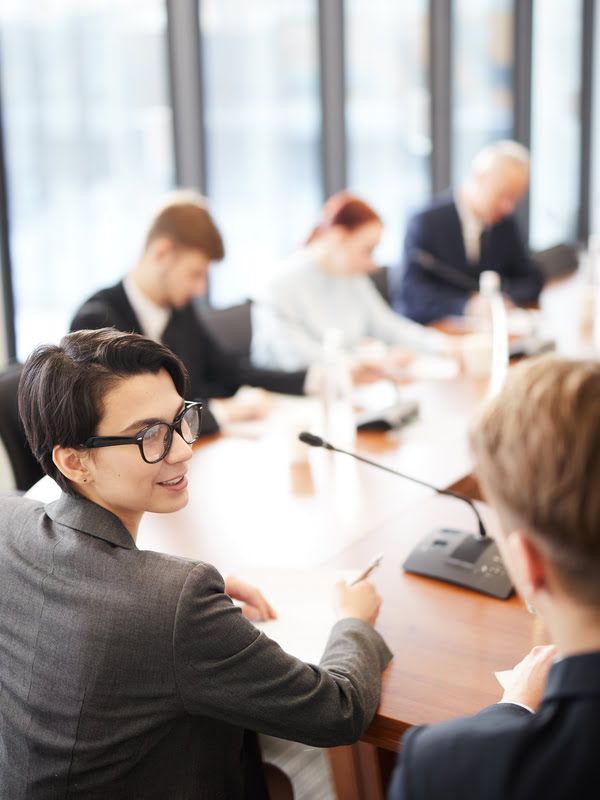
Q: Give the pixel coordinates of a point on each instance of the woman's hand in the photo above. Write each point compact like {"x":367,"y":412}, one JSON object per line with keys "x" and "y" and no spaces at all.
{"x":248,"y":403}
{"x":255,"y":606}
{"x":360,"y":601}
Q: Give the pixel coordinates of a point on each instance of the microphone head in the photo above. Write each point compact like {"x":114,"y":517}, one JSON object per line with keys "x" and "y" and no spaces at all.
{"x":311,"y":439}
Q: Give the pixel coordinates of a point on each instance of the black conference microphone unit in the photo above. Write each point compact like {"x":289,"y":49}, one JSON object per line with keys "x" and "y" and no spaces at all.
{"x":392,"y":417}
{"x":446,"y":554}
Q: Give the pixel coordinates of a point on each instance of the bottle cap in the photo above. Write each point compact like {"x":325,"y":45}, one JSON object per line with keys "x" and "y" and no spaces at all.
{"x":489,"y":282}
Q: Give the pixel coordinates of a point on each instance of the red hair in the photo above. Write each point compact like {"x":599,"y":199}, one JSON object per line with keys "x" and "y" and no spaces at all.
{"x":346,"y":210}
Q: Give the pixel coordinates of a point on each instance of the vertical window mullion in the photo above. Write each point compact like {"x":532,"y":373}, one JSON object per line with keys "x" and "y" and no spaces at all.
{"x":186,"y":88}
{"x":333,"y":95}
{"x":440,"y":37}
{"x":523,"y":22}
{"x":587,"y":67}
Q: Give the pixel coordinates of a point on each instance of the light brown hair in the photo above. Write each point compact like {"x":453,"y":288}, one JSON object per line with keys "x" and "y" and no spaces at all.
{"x":537,"y":448}
{"x":184,"y":220}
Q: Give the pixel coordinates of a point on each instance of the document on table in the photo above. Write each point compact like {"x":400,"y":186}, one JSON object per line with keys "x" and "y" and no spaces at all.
{"x":304,"y":603}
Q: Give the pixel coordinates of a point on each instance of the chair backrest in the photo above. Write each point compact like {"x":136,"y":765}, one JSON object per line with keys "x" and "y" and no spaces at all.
{"x":381,"y":280}
{"x":25,"y":467}
{"x":232,"y":327}
{"x":556,"y":261}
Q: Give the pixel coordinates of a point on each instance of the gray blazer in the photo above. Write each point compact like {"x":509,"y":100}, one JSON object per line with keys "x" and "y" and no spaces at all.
{"x":130,"y":674}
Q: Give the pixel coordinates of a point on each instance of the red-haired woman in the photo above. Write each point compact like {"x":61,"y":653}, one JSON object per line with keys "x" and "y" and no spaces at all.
{"x":325,"y":285}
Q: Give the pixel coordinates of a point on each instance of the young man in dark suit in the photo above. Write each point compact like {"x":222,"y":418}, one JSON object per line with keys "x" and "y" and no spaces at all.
{"x":156,"y":299}
{"x":461,"y":234}
{"x":537,"y":450}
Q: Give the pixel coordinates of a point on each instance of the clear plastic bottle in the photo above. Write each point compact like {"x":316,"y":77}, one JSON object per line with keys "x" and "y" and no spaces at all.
{"x":496,"y":326}
{"x":339,"y":422}
{"x":590,"y":311}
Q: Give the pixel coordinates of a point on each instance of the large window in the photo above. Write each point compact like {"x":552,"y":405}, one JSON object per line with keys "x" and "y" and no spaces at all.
{"x":88,"y":147}
{"x":555,"y":123}
{"x":262,"y":134}
{"x":482,"y":69}
{"x":387,"y":110}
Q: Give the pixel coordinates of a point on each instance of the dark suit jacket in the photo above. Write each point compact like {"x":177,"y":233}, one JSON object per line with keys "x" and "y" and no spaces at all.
{"x":213,"y":372}
{"x":129,"y":675}
{"x":506,"y":753}
{"x":426,"y":297}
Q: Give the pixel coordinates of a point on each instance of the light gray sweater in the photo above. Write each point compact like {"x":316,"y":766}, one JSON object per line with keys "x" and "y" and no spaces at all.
{"x":289,"y":322}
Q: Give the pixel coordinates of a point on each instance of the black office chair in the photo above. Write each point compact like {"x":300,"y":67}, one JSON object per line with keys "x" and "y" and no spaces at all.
{"x":556,"y":261}
{"x":26,"y":469}
{"x":232,"y":326}
{"x":380,"y":278}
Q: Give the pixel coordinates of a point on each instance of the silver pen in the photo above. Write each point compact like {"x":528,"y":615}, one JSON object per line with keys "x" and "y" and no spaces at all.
{"x":367,"y":570}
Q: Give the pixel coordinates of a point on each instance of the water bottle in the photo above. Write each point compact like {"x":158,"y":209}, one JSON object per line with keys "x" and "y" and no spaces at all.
{"x":591,"y":293}
{"x":496,"y":327}
{"x":339,"y":423}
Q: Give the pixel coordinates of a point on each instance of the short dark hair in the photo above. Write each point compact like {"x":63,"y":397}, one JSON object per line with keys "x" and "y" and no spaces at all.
{"x":62,"y":387}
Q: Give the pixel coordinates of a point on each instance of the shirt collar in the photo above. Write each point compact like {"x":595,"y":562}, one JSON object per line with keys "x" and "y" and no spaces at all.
{"x":466,"y":216}
{"x":82,"y":515}
{"x":153,"y":319}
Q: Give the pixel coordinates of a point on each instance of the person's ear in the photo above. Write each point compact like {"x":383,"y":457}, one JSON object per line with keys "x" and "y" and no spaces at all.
{"x":161,"y":249}
{"x":529,"y":565}
{"x":338,"y":234}
{"x":73,"y":463}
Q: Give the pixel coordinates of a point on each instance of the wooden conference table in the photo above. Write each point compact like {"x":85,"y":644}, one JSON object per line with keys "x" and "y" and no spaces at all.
{"x":250,"y":507}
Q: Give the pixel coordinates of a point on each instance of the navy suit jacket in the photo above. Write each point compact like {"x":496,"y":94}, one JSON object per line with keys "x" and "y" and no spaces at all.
{"x":213,"y":372}
{"x":506,"y":752}
{"x":425,"y":297}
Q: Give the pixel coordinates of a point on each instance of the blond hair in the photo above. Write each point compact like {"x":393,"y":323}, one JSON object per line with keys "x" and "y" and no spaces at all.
{"x":184,"y":219}
{"x":498,"y":154}
{"x":537,"y":449}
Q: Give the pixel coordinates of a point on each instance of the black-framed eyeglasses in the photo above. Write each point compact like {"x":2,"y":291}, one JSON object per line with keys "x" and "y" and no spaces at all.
{"x":155,"y":440}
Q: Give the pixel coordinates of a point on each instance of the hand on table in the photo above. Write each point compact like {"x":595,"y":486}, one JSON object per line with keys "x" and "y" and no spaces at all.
{"x":526,"y":681}
{"x":246,"y":404}
{"x":256,"y":607}
{"x":375,"y":361}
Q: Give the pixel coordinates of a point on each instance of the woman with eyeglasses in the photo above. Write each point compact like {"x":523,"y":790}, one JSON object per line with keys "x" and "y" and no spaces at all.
{"x":127,"y":673}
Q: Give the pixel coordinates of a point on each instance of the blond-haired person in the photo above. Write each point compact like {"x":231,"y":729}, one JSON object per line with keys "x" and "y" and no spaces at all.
{"x":537,"y":450}
{"x":462,"y":233}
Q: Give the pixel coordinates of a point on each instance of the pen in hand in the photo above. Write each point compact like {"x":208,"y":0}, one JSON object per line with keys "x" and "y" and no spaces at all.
{"x":368,"y":570}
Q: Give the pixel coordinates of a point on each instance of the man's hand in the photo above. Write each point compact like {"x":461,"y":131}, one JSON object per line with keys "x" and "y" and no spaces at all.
{"x":255,"y":606}
{"x":526,"y":681}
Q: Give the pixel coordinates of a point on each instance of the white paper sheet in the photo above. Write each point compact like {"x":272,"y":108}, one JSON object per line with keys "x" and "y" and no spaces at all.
{"x":303,"y":601}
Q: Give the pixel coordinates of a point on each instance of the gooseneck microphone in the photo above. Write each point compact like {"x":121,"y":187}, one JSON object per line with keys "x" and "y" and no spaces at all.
{"x":446,"y":554}
{"x":317,"y":441}
{"x":449,"y":274}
